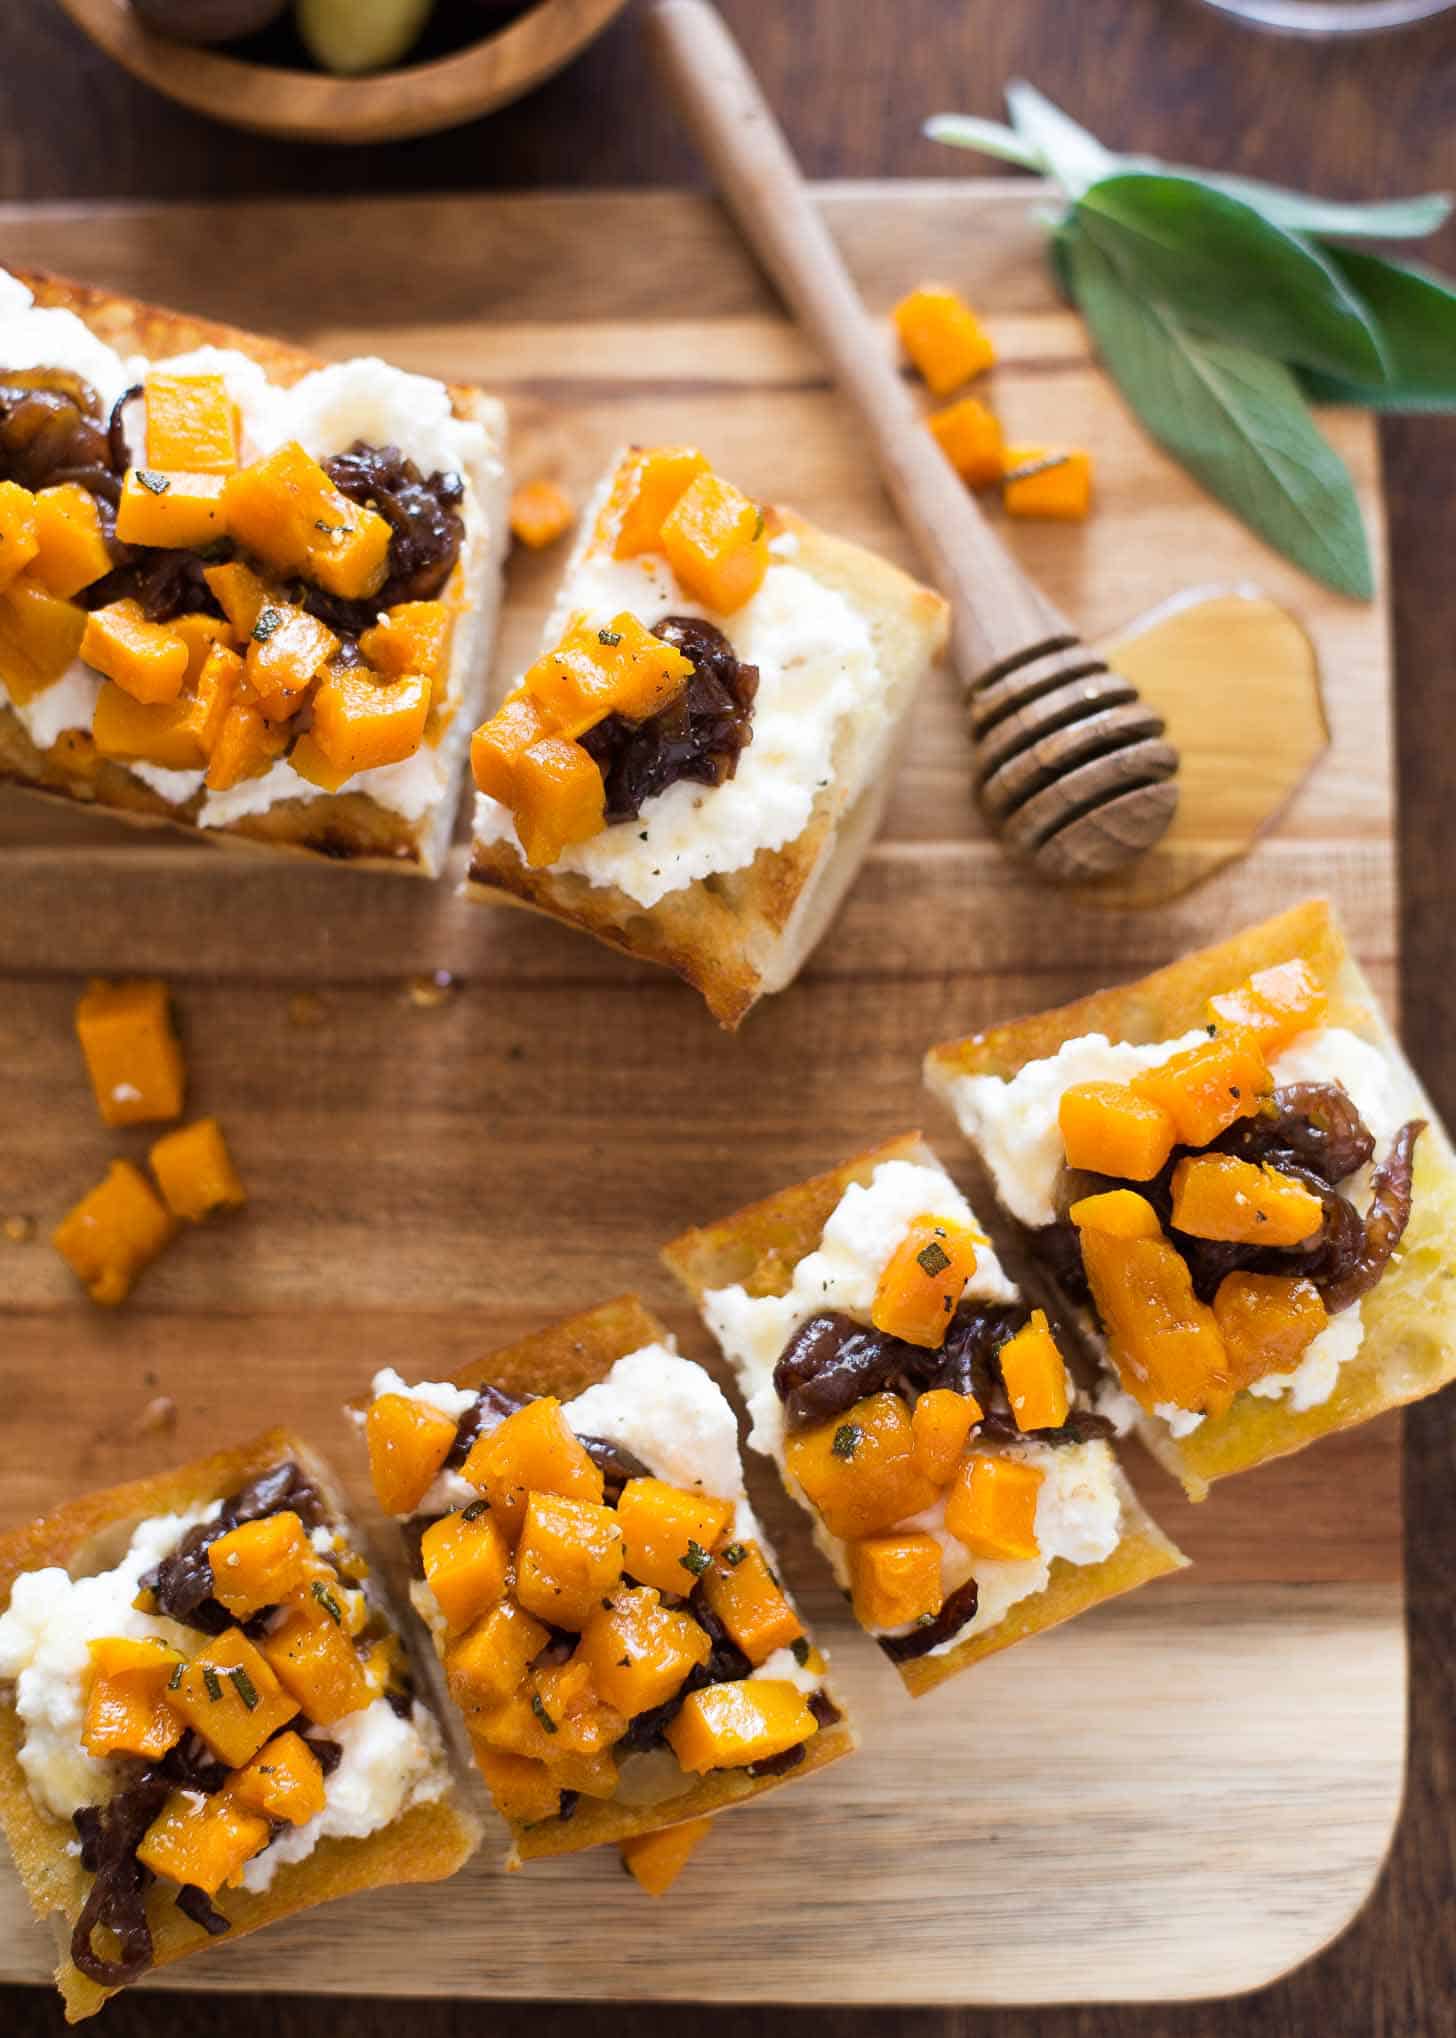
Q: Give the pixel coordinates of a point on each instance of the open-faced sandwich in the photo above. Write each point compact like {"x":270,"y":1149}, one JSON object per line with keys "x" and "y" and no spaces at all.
{"x":598,"y":1590}
{"x":1232,"y":1170}
{"x":694,"y":766}
{"x":239,"y":589}
{"x":920,"y":1412}
{"x":207,"y":1716}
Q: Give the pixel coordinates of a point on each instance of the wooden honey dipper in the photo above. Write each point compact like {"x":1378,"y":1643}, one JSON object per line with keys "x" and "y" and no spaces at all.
{"x":1072,"y":771}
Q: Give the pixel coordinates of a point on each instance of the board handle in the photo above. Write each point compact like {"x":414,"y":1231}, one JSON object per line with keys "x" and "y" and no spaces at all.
{"x":1069,"y":790}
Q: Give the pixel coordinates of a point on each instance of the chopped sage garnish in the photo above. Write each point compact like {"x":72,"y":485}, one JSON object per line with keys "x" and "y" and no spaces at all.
{"x":800,"y":1647}
{"x":539,"y":1709}
{"x":847,"y":1440}
{"x":933,"y":1259}
{"x":212,"y":1681}
{"x":697,"y":1559}
{"x":246,"y":1689}
{"x":268,"y":621}
{"x":328,"y":1602}
{"x":735,"y":1554}
{"x":154,"y":484}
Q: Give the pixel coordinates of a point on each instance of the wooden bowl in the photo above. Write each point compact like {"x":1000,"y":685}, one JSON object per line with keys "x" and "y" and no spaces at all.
{"x":315,"y":106}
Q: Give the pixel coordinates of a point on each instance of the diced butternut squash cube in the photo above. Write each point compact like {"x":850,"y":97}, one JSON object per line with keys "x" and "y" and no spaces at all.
{"x":195,"y":1172}
{"x":175,"y":734}
{"x":617,"y":668}
{"x":287,"y":512}
{"x":467,"y":1560}
{"x":559,"y":799}
{"x":727,"y":1726}
{"x":1163,"y":1342}
{"x":239,"y":593}
{"x":569,"y":1558}
{"x":1267,"y":1323}
{"x":350,"y":552}
{"x":924,"y":1280}
{"x":1117,"y":1213}
{"x":943,"y":337}
{"x":408,"y":1442}
{"x":126,"y":1706}
{"x":191,"y":422}
{"x":362,"y":722}
{"x":522,"y":1726}
{"x":1273,"y":1005}
{"x":260,"y":1563}
{"x":567,"y":1703}
{"x":71,"y":551}
{"x":940,"y":1422}
{"x":639,"y":1651}
{"x":287,"y":650}
{"x":19,"y":542}
{"x":744,"y":1594}
{"x":116,"y":1230}
{"x":230,"y":1696}
{"x":315,"y":1662}
{"x":524,"y":1791}
{"x":971,"y":438}
{"x":284,"y":1780}
{"x":1035,"y":1375}
{"x":40,"y":638}
{"x":649,"y":483}
{"x":132,"y":1055}
{"x":499,"y":744}
{"x":1108,"y":1129}
{"x":1047,"y":481}
{"x":716,"y":543}
{"x":656,"y":1860}
{"x":204,"y":1842}
{"x":991,"y":1507}
{"x":859,"y":1470}
{"x":309,"y":762}
{"x":245,"y":745}
{"x":541,"y":512}
{"x":895,"y":1579}
{"x":147,"y":660}
{"x":1205,"y":1088}
{"x":669,"y":1533}
{"x":414,"y":636}
{"x":488,"y":1662}
{"x":532,"y":1451}
{"x":199,"y":632}
{"x":1216,"y":1195}
{"x":181,"y":510}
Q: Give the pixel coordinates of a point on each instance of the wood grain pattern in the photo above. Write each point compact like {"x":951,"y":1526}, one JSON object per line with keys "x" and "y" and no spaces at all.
{"x":403,"y":1162}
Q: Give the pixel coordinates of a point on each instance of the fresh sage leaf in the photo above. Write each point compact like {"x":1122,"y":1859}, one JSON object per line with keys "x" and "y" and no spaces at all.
{"x":1235,"y":419}
{"x":1073,"y":156}
{"x":990,"y":137}
{"x":1416,"y":312}
{"x":1391,"y":219}
{"x":1227,"y":270}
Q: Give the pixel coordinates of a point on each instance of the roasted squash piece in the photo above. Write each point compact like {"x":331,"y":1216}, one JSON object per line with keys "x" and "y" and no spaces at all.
{"x":360,"y":722}
{"x":19,"y":542}
{"x":488,"y":1662}
{"x":859,"y":1470}
{"x":287,"y":512}
{"x":924,"y":1279}
{"x":524,"y":1791}
{"x":991,"y":1507}
{"x":656,"y":1860}
{"x":229,"y":1695}
{"x":971,"y":438}
{"x":727,"y":1726}
{"x":200,"y":632}
{"x":414,"y":636}
{"x":716,"y":543}
{"x":147,"y":660}
{"x":126,"y":1705}
{"x":191,"y":422}
{"x":1163,"y":1341}
{"x":1206,"y":1088}
{"x":744,"y":1594}
{"x":245,"y":745}
{"x":260,"y":1563}
{"x":309,"y":762}
{"x":467,"y":1561}
{"x":499,"y":744}
{"x":195,"y":1172}
{"x":639,"y":1651}
{"x":1108,"y":1129}
{"x":940,"y":1422}
{"x":669,"y":1532}
{"x":1035,"y":1375}
{"x":1273,"y":1005}
{"x":895,"y":1579}
{"x":648,"y":483}
{"x":541,"y":512}
{"x":522,"y":1726}
{"x":176,"y":509}
{"x":1218,"y":1196}
{"x":618,"y":668}
{"x":408,"y":1442}
{"x":558,"y":799}
{"x":942,"y":336}
{"x":284,"y":1780}
{"x":40,"y":637}
{"x":1118,"y":1213}
{"x":287,"y":650}
{"x":1267,"y":1323}
{"x":533,"y":1450}
{"x":239,"y":593}
{"x":569,"y":1558}
{"x":1047,"y":481}
{"x":116,"y":1230}
{"x":133,"y":1057}
{"x":315,"y":1662}
{"x":202,"y":1842}
{"x":567,"y":1703}
{"x":71,"y":551}
{"x":176,"y":734}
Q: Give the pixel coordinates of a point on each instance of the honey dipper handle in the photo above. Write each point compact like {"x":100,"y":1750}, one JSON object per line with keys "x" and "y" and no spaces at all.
{"x":997,"y":613}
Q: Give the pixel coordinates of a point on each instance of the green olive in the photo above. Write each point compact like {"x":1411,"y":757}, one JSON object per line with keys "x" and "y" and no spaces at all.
{"x":350,"y":36}
{"x":208,"y":20}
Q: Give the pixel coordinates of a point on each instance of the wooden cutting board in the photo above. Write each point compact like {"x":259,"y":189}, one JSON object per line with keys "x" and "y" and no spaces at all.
{"x":1180,"y":1795}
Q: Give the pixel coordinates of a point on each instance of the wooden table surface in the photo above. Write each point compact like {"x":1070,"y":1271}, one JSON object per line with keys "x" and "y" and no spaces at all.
{"x":852,"y":80}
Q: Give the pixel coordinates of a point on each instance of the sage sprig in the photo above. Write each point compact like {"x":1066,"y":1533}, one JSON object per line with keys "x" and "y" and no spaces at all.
{"x":1220,"y":305}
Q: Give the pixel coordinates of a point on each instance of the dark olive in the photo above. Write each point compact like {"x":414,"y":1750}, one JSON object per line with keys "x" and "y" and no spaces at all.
{"x":208,"y":21}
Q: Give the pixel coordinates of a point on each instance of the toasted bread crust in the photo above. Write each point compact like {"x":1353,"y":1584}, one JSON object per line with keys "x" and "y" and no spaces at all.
{"x":1409,"y":1348}
{"x":759,"y":1247}
{"x":344,"y":827}
{"x":736,"y":935}
{"x":431,"y":1841}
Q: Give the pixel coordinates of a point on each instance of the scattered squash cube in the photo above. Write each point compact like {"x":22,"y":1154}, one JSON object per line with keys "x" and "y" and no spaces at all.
{"x":147,"y":660}
{"x":656,"y":1860}
{"x":1267,"y":1323}
{"x":239,"y":593}
{"x":284,"y":1780}
{"x":315,"y":1662}
{"x":309,"y":762}
{"x":195,"y":1172}
{"x":895,"y":1580}
{"x":1218,"y":1196}
{"x":943,"y":337}
{"x":488,"y":1662}
{"x":19,"y":542}
{"x":200,"y":632}
{"x":1046,"y":481}
{"x":71,"y":550}
{"x":202,"y":1843}
{"x":668,"y":1533}
{"x":245,"y":745}
{"x":116,"y":1230}
{"x":1205,"y":1088}
{"x":40,"y":638}
{"x":744,"y":1594}
{"x":924,"y":1279}
{"x":126,"y":1706}
{"x":1163,"y":1342}
{"x":566,"y":1701}
{"x":940,"y":1422}
{"x":616,"y":668}
{"x":991,"y":1507}
{"x":859,"y":1470}
{"x":467,"y":1561}
{"x":361,"y":722}
{"x":1119,"y":1213}
{"x":532,"y":1451}
{"x":408,"y":1442}
{"x":524,"y":1791}
{"x":1274,"y":1004}
{"x":639,"y":1651}
{"x":727,"y":1726}
{"x":133,"y":1057}
{"x":559,"y":799}
{"x":648,"y":485}
{"x":522,"y":1726}
{"x":287,"y":512}
{"x":971,"y":439}
{"x":1108,"y":1129}
{"x":568,"y":1560}
{"x":229,"y":1695}
{"x":716,"y":543}
{"x":498,"y":745}
{"x":260,"y":1563}
{"x":541,"y":512}
{"x":413,"y":636}
{"x":181,"y":510}
{"x":287,"y":650}
{"x":1035,"y":1376}
{"x":192,"y":422}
